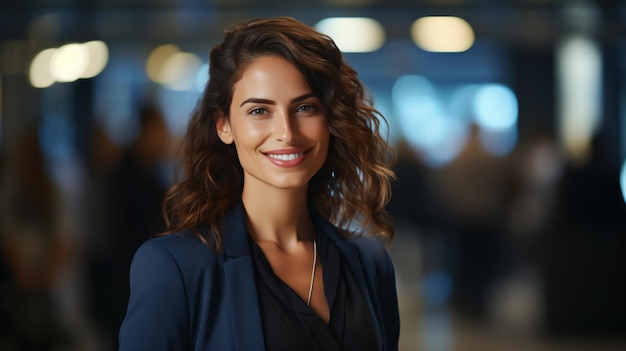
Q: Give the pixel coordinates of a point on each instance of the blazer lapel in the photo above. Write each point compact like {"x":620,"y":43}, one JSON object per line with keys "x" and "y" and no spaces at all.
{"x":357,"y":268}
{"x":240,"y":283}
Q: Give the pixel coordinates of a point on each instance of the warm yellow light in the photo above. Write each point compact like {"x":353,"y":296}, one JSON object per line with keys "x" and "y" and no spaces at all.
{"x":180,"y":70}
{"x":353,"y":34}
{"x":39,"y":72}
{"x":157,"y":59}
{"x":98,"y":57}
{"x":442,"y":34}
{"x":69,"y":62}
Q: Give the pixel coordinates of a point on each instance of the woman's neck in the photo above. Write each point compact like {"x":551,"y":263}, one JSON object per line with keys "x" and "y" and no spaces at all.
{"x":280,"y":216}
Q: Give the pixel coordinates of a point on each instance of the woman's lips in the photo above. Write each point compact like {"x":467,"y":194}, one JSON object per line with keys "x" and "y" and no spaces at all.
{"x":286,"y":158}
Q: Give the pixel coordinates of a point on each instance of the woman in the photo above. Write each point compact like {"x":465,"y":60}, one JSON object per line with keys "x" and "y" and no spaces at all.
{"x":282,"y":144}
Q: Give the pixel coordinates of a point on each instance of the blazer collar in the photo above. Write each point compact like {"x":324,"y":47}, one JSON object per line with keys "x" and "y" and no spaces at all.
{"x":240,"y":282}
{"x":234,"y":233}
{"x":358,"y":268}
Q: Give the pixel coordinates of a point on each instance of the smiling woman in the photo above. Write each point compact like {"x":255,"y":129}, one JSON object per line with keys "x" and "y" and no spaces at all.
{"x":282,"y":157}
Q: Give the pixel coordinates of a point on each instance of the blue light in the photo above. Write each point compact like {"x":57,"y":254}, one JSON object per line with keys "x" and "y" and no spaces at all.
{"x":453,"y":137}
{"x":495,"y":113}
{"x":418,"y":109}
{"x":622,"y":180}
{"x":495,"y":107}
{"x":462,"y":102}
{"x":424,"y":122}
{"x":202,"y":77}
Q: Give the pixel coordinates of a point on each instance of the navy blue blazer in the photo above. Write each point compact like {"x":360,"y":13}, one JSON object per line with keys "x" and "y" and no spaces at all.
{"x":184,"y":296}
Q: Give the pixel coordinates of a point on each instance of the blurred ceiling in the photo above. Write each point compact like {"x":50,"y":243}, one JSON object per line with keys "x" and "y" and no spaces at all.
{"x":522,"y":22}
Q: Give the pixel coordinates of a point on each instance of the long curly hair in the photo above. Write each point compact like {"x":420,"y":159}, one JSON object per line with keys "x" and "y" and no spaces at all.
{"x":351,"y":189}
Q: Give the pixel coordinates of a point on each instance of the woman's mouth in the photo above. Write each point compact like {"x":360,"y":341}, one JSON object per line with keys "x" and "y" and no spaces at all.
{"x":286,"y":157}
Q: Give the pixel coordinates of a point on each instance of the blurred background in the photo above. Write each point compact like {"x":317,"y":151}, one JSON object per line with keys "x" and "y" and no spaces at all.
{"x":509,"y":118}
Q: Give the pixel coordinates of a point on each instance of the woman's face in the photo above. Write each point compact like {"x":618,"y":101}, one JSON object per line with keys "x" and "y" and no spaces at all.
{"x":278,"y":126}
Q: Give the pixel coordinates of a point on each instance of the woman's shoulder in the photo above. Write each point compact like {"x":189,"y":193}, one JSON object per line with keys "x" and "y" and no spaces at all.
{"x":368,"y":245}
{"x":371,"y":250}
{"x":184,"y":248}
{"x":364,"y":244}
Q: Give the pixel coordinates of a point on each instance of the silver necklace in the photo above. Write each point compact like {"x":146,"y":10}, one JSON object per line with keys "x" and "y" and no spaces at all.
{"x":308,"y":301}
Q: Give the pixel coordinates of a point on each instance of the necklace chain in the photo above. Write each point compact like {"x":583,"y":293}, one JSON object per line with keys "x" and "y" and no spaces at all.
{"x":308,"y":301}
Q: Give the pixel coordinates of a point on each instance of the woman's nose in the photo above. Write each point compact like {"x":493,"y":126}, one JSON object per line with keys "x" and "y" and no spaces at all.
{"x":284,"y":126}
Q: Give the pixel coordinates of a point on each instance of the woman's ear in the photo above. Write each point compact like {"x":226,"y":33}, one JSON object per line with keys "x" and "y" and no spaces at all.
{"x":223,"y":129}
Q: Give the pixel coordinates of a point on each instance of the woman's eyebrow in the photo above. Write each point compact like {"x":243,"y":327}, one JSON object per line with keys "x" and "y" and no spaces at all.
{"x":271,"y":102}
{"x":257,"y":101}
{"x":302,"y":97}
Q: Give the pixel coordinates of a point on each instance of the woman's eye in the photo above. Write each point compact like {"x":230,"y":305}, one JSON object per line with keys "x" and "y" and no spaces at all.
{"x":305,"y":108}
{"x":258,"y":111}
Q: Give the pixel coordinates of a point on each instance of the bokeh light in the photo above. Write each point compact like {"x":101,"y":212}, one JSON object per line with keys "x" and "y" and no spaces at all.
{"x":424,"y":123}
{"x":579,"y":79}
{"x":98,"y":57}
{"x":622,"y":180}
{"x":157,"y":59}
{"x":353,"y":34}
{"x":180,"y":71}
{"x":202,"y":77}
{"x":39,"y":73}
{"x":69,"y":62}
{"x":442,"y":34}
{"x":495,"y":107}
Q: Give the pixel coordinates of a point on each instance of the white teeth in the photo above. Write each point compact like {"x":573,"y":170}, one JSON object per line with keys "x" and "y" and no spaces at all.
{"x":286,"y":157}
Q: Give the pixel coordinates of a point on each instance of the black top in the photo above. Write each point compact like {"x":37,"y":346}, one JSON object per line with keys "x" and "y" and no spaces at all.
{"x":289,"y":324}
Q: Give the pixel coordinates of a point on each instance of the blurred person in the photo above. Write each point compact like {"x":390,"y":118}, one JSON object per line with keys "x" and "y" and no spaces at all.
{"x":34,"y":251}
{"x":515,"y":300}
{"x":282,"y":158}
{"x":130,"y":213}
{"x":581,"y":252}
{"x":474,"y":188}
{"x":414,"y":202}
{"x":420,"y":246}
{"x":539,"y":165}
{"x":138,"y":185}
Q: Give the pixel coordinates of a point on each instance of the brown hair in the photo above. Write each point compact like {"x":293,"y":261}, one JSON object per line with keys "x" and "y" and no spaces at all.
{"x":353,"y":185}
